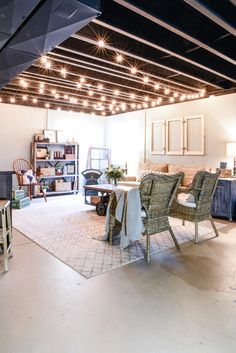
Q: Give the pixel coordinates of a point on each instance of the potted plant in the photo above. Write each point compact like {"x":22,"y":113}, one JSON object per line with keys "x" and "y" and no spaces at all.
{"x":58,"y":167}
{"x":113,"y":174}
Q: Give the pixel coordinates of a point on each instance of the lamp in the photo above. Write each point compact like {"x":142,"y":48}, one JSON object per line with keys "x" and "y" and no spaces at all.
{"x":231,"y":152}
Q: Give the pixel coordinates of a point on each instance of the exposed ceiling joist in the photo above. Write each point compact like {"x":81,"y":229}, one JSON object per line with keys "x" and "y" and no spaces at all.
{"x":211,"y":15}
{"x":173,"y":29}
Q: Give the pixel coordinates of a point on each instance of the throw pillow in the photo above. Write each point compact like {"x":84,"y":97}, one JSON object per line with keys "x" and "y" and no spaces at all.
{"x":29,"y":178}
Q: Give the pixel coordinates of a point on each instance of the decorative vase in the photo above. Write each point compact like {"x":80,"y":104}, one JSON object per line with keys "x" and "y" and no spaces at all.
{"x":114,"y":181}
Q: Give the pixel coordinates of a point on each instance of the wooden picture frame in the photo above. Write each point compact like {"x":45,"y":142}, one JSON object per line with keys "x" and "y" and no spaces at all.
{"x":158,"y":140}
{"x":174,"y":136}
{"x":194,"y":139}
{"x":70,"y":169}
{"x":51,"y":135}
{"x":61,"y":136}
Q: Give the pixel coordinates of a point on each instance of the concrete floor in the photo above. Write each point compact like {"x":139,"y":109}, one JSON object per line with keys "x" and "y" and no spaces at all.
{"x":183,"y":302}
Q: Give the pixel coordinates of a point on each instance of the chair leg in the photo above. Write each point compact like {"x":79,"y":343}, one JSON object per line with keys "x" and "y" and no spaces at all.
{"x":148,"y":248}
{"x":196,"y":232}
{"x":183,"y":222}
{"x":214,"y":227}
{"x":44,"y":195}
{"x":174,"y":238}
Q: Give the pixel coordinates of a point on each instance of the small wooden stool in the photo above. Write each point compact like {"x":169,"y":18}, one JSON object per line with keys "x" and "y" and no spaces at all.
{"x":5,"y":231}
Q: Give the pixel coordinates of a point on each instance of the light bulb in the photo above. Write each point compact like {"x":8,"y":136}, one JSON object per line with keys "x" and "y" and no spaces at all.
{"x":101,"y":43}
{"x":119,"y":58}
{"x":156,"y":86}
{"x":145,"y":79}
{"x":100,"y":86}
{"x":133,"y":70}
{"x":167,"y":90}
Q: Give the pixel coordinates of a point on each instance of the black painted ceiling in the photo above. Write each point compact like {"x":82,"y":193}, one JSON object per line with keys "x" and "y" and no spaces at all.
{"x":169,"y":50}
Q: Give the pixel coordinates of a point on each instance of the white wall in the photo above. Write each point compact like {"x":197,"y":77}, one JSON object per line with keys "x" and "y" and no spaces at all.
{"x":125,"y":137}
{"x":220,"y":127}
{"x":124,"y":133}
{"x":18,"y":124}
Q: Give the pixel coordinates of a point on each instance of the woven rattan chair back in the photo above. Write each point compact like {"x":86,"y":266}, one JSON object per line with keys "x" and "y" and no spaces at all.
{"x":157,"y":192}
{"x":202,"y":188}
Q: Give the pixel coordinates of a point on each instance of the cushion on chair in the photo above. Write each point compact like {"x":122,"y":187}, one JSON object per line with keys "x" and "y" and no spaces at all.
{"x":29,"y":178}
{"x":187,"y":200}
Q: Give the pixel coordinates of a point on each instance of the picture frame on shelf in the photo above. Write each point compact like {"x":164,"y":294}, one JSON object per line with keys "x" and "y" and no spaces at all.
{"x":41,"y":153}
{"x":51,"y":135}
{"x":70,"y":169}
{"x":62,"y":136}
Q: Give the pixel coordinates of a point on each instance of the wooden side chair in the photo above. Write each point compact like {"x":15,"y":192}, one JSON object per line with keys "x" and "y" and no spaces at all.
{"x":26,"y":177}
{"x":197,"y":206}
{"x":157,"y":192}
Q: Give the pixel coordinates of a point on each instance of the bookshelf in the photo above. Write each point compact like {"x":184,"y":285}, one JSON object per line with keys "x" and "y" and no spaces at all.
{"x":57,"y":166}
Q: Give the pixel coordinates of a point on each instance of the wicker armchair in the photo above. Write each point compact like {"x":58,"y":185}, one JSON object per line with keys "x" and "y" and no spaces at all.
{"x":199,"y":208}
{"x":157,"y":192}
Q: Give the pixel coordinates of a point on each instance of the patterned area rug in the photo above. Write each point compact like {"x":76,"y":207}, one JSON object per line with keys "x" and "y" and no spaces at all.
{"x":66,"y":228}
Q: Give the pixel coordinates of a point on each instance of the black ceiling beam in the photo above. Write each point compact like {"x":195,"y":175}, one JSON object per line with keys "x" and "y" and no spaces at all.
{"x":142,"y":30}
{"x":152,"y":55}
{"x":163,"y":16}
{"x":219,"y":11}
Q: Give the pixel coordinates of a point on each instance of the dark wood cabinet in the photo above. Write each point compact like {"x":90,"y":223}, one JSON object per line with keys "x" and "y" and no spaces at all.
{"x":224,"y":200}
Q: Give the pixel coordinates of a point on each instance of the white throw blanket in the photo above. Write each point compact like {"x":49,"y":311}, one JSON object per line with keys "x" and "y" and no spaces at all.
{"x":128,"y":213}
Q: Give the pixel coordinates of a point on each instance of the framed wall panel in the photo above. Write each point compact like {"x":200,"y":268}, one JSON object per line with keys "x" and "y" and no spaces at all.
{"x":158,"y":137}
{"x":194,"y":135}
{"x":174,"y":136}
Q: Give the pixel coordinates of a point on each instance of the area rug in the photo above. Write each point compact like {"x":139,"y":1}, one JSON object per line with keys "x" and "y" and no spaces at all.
{"x":66,"y":228}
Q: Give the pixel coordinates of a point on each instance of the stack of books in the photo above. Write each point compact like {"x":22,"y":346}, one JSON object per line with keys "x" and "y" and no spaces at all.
{"x":19,"y":200}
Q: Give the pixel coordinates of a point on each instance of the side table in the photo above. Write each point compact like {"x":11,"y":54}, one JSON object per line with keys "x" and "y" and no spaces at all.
{"x":224,"y":200}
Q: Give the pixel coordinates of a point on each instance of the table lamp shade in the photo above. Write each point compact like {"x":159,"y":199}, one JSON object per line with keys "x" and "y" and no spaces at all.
{"x":231,"y":149}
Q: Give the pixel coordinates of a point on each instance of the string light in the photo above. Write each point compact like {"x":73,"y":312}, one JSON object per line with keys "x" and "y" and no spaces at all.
{"x":146,"y":98}
{"x":34,"y":100}
{"x":47,"y":105}
{"x":176,"y":94}
{"x":100,"y":86}
{"x":44,"y":59}
{"x":82,"y":79}
{"x":114,"y":101}
{"x":41,"y":90}
{"x":133,"y":105}
{"x":23,"y":83}
{"x":156,"y":86}
{"x":132,"y":95}
{"x":171,"y":99}
{"x":53,"y":91}
{"x":12,"y":100}
{"x":116,"y":92}
{"x":48,"y":65}
{"x":65,"y":96}
{"x":153,"y":103}
{"x":24,"y":97}
{"x":41,"y":85}
{"x":85,"y":103}
{"x":63,"y":72}
{"x":78,"y":84}
{"x":0,"y":100}
{"x":119,"y":58}
{"x":59,"y":109}
{"x":139,"y":106}
{"x":145,"y":79}
{"x":57,"y":96}
{"x":101,"y":43}
{"x":133,"y":70}
{"x":90,"y":93}
{"x":103,"y":98}
{"x":167,"y":90}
